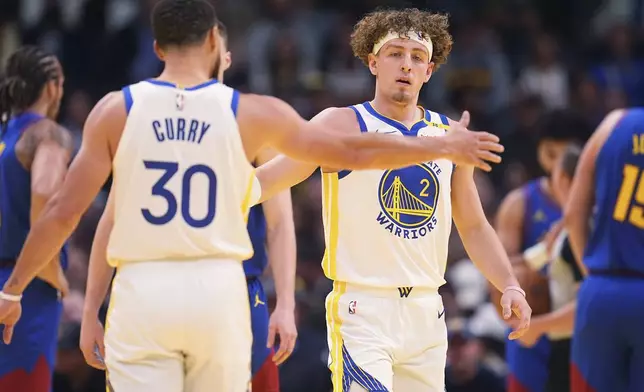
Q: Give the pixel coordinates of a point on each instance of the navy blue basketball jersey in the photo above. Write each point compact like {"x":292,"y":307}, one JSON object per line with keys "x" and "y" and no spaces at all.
{"x":617,"y":239}
{"x":15,"y":191}
{"x":255,"y":266}
{"x":539,"y":215}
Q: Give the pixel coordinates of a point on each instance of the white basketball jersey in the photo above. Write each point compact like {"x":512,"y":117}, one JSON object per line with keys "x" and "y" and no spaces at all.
{"x":389,"y":228}
{"x":182,"y":183}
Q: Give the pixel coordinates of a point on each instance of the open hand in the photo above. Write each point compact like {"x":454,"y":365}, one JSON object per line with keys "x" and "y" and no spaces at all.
{"x":469,"y":148}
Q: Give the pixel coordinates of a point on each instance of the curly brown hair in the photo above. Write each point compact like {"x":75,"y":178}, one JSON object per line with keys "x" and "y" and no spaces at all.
{"x":377,"y":24}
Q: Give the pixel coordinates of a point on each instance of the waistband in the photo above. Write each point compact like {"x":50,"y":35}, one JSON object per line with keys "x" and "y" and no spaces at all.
{"x":617,"y":273}
{"x":402,"y":292}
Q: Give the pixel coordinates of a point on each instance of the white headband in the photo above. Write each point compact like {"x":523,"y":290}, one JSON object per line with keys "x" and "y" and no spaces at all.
{"x":412,"y":35}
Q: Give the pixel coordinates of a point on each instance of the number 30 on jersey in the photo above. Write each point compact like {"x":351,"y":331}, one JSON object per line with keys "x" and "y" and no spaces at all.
{"x":170,"y":169}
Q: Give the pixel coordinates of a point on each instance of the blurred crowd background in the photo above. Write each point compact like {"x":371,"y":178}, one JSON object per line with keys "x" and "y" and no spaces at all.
{"x":513,"y":61}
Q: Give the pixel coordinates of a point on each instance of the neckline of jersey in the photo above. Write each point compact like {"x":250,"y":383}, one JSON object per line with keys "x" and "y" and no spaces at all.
{"x":422,"y":123}
{"x":158,"y":82}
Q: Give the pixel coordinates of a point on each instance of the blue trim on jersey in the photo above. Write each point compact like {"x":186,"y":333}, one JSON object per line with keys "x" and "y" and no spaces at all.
{"x":235,"y":102}
{"x":129,"y":101}
{"x":173,"y":85}
{"x":444,"y":119}
{"x":361,"y":123}
{"x":354,"y":373}
{"x":413,"y":131}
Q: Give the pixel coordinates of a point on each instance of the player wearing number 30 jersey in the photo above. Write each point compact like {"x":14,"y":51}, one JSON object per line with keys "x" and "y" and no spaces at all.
{"x":608,"y":344}
{"x":179,"y":148}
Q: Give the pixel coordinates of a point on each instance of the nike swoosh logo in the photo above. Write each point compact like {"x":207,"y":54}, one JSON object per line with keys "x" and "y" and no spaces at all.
{"x":440,"y":314}
{"x":384,"y":133}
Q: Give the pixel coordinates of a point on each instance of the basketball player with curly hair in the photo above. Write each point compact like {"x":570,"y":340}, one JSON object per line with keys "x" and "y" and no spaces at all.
{"x":387,"y":231}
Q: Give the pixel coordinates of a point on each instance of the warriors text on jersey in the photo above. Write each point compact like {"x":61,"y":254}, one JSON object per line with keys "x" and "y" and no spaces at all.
{"x":182,"y":182}
{"x":389,"y":228}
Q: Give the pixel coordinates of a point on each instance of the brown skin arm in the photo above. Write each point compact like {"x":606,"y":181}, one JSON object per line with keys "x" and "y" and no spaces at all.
{"x":45,"y":150}
{"x":85,"y":177}
{"x":578,"y":209}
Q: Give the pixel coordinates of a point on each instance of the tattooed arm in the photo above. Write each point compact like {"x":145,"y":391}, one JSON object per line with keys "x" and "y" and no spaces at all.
{"x":45,"y":150}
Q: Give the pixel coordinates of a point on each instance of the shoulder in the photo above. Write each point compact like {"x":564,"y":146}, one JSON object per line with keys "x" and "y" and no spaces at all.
{"x":513,"y":203}
{"x":340,"y":118}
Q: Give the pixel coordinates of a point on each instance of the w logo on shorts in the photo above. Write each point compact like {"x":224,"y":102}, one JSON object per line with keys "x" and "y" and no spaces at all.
{"x":405,"y":291}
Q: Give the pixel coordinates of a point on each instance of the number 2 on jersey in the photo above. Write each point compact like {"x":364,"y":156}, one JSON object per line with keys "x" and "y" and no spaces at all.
{"x":159,"y":189}
{"x":633,"y":179}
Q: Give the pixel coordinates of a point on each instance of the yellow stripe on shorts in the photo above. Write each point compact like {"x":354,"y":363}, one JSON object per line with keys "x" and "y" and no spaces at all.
{"x":334,"y":324}
{"x":330,"y":183}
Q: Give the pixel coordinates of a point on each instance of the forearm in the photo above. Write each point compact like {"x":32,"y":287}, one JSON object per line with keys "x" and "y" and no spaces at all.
{"x":281,"y":173}
{"x":578,"y":231}
{"x":561,"y":320}
{"x":374,"y":151}
{"x":100,"y":273}
{"x":488,"y":255}
{"x":282,"y":257}
{"x":43,"y":243}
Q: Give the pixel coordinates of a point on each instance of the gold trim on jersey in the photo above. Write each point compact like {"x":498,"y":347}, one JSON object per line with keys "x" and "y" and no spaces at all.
{"x":330,"y":183}
{"x":334,"y":323}
{"x":249,"y":192}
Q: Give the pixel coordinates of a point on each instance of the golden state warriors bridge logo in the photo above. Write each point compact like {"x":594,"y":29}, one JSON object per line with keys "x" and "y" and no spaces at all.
{"x":408,"y":200}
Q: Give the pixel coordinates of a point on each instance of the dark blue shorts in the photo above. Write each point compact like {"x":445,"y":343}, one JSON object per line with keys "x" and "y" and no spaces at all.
{"x":608,"y":343}
{"x":259,"y":323}
{"x":528,"y":367}
{"x":27,"y":364}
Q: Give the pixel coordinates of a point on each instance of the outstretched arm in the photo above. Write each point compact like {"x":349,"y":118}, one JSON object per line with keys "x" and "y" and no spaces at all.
{"x":277,"y":124}
{"x":86,"y":176}
{"x":578,"y":209}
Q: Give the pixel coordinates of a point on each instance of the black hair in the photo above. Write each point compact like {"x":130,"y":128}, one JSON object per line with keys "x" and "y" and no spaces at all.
{"x":570,"y":159}
{"x":27,"y":72}
{"x":223,"y":31}
{"x":564,"y":126}
{"x":182,"y":22}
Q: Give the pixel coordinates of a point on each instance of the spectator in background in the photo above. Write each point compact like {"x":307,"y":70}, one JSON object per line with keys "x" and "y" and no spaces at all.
{"x":465,"y":371}
{"x":545,"y":76}
{"x":622,"y":71}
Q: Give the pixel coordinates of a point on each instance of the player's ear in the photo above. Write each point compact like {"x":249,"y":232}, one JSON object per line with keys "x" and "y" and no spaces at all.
{"x":158,"y":51}
{"x":430,"y":70}
{"x":212,"y":39}
{"x":373,"y":64}
{"x":228,"y":60}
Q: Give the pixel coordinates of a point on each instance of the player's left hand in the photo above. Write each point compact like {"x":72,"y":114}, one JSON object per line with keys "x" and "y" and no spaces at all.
{"x":516,"y":313}
{"x":282,"y":323}
{"x":10,"y":312}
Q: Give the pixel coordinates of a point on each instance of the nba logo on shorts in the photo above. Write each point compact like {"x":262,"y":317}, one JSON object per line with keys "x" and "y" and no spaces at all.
{"x":352,"y":307}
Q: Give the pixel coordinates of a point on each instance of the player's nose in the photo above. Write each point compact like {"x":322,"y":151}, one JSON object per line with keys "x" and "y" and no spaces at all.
{"x":406,"y":64}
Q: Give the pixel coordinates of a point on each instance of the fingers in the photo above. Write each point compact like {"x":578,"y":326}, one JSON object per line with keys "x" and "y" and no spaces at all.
{"x":506,"y":304}
{"x":287,"y":344}
{"x":7,"y":334}
{"x":488,"y":137}
{"x":271,"y":336}
{"x":93,"y":359}
{"x":491,"y":146}
{"x":465,"y":119}
{"x":483,"y":166}
{"x":488,"y":156}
